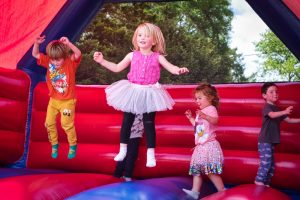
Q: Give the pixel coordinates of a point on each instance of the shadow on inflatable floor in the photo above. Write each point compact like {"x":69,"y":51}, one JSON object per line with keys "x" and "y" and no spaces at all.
{"x":171,"y":189}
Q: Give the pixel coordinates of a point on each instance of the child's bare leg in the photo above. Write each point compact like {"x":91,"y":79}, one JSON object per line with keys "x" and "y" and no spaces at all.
{"x":217,"y":181}
{"x":197,"y":183}
{"x":195,"y":192}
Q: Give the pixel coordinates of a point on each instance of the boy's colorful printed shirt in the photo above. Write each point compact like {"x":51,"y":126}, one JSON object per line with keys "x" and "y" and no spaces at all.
{"x":60,"y":81}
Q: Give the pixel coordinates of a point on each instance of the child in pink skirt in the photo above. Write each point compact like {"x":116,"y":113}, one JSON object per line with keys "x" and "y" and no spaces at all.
{"x":207,"y":158}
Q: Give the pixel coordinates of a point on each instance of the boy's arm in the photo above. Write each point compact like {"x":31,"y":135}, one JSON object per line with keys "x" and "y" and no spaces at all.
{"x":287,"y":111}
{"x":292,"y":120}
{"x":276,"y":114}
{"x":36,"y":51}
{"x":36,"y":47}
{"x":76,"y":51}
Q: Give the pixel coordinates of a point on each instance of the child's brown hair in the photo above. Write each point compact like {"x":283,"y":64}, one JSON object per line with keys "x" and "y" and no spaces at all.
{"x":265,"y":87}
{"x":209,"y":91}
{"x":57,"y":50}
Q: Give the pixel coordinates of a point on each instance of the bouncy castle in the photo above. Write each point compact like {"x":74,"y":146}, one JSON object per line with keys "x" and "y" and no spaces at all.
{"x":28,"y":171}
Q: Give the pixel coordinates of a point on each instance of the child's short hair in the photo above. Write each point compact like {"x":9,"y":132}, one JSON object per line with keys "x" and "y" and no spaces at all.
{"x":157,"y":35}
{"x":265,"y":86}
{"x":57,"y":50}
{"x":209,"y":91}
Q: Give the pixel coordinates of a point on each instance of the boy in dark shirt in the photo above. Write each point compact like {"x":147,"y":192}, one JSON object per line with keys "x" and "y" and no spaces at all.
{"x":269,"y":134}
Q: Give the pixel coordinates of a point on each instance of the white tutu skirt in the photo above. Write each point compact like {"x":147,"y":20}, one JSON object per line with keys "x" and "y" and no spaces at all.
{"x":134,"y":98}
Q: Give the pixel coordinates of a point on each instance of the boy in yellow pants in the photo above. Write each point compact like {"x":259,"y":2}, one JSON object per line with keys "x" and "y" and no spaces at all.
{"x":61,"y":68}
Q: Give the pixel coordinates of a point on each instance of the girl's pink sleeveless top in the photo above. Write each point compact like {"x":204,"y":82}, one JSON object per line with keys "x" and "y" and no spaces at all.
{"x":145,"y":69}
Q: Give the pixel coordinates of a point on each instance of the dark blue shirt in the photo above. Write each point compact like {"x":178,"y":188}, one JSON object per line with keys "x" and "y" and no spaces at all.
{"x":270,"y":130}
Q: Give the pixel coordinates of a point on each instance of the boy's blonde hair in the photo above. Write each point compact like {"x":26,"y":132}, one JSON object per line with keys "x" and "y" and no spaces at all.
{"x":57,"y":50}
{"x":209,"y":91}
{"x":157,"y":35}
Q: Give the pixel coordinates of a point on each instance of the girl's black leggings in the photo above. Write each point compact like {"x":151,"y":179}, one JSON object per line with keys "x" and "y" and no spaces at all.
{"x":149,"y":127}
{"x":127,"y":165}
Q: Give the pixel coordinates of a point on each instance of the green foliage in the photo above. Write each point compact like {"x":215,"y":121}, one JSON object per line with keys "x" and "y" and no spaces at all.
{"x":196,"y":34}
{"x":277,"y":57}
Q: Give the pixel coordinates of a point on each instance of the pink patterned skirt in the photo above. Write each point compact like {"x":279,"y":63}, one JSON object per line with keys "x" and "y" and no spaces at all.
{"x":207,"y":159}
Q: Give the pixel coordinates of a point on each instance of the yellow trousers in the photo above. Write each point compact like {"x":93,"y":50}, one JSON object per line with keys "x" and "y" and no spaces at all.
{"x":66,"y":108}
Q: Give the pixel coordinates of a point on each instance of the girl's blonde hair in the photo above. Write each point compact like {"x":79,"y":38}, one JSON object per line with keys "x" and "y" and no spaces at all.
{"x":157,"y":35}
{"x":57,"y":50}
{"x":209,"y":91}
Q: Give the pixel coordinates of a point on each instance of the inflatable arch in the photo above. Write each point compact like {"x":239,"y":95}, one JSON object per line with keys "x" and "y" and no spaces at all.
{"x":28,"y":172}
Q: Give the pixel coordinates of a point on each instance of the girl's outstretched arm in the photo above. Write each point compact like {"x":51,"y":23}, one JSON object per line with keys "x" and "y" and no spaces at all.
{"x":98,"y":57}
{"x":170,"y":67}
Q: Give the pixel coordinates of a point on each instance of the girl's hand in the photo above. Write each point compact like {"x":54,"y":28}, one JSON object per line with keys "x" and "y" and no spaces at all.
{"x":40,"y":39}
{"x":64,"y":40}
{"x":188,"y":114}
{"x":201,"y":114}
{"x":183,"y":70}
{"x":98,"y":57}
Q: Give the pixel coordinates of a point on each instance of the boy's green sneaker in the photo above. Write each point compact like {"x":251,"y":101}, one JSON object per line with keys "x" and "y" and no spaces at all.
{"x":72,"y":151}
{"x":54,"y":153}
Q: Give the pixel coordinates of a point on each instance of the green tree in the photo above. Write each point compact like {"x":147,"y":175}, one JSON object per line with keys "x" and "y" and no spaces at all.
{"x":277,"y":57}
{"x":196,"y":34}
